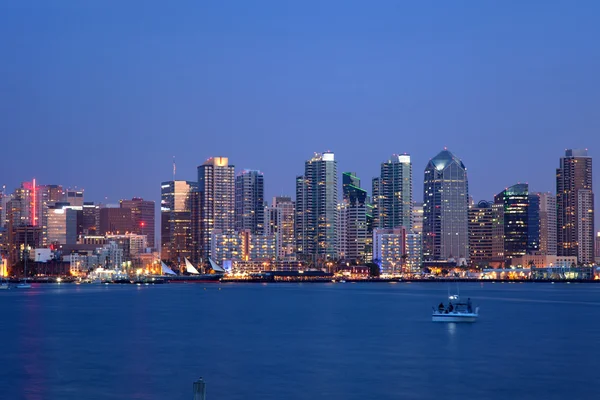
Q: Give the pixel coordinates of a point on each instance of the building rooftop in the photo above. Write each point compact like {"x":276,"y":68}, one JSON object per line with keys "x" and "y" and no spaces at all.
{"x":445,"y":158}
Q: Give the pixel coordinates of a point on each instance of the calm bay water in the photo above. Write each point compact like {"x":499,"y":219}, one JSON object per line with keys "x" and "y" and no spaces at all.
{"x":298,"y":341}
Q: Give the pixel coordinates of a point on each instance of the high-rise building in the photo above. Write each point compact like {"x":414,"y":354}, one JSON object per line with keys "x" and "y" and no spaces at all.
{"x":74,"y":197}
{"x":353,"y":224}
{"x":176,"y":220}
{"x":394,"y":200}
{"x":414,"y":240}
{"x":250,"y":202}
{"x":316,"y":208}
{"x":375,"y":200}
{"x":4,"y":199}
{"x":114,"y":220}
{"x":547,"y":223}
{"x":445,"y":208}
{"x":142,"y":217}
{"x":389,"y":250}
{"x":533,"y":224}
{"x":486,"y":235}
{"x":515,"y":201}
{"x":90,"y":219}
{"x":61,"y":224}
{"x":282,"y":226}
{"x":351,"y":190}
{"x":575,"y":206}
{"x":242,"y":246}
{"x":216,"y":186}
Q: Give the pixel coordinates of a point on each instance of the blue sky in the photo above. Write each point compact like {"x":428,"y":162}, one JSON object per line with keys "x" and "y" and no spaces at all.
{"x":103,"y":94}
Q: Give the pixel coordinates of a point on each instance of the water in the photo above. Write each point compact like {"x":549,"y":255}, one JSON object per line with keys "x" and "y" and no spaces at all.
{"x":298,"y":341}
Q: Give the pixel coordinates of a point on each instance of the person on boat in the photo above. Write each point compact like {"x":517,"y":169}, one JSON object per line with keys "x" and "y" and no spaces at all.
{"x":450,"y":306}
{"x":469,"y":305}
{"x":441,"y":307}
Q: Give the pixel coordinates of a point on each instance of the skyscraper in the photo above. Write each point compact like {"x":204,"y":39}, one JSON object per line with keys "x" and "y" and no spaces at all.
{"x":316,"y":208}
{"x":250,"y":202}
{"x":547,"y":217}
{"x":515,"y":201}
{"x":445,"y":208}
{"x":575,"y":206}
{"x":486,"y":235}
{"x":414,"y":240}
{"x":61,"y":224}
{"x":115,"y":220}
{"x":142,"y":217}
{"x":216,"y":187}
{"x":282,"y":217}
{"x":351,"y":190}
{"x":533,"y":224}
{"x":176,"y":220}
{"x":74,"y":197}
{"x":353,"y":225}
{"x":394,"y":202}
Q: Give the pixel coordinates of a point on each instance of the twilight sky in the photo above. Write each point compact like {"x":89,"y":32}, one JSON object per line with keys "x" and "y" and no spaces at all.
{"x":102,"y":94}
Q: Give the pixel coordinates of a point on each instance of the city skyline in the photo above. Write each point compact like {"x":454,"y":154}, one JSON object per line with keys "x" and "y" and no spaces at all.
{"x":416,"y":182}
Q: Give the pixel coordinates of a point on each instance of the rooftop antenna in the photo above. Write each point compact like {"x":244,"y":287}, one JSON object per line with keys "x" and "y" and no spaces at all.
{"x":174,"y":168}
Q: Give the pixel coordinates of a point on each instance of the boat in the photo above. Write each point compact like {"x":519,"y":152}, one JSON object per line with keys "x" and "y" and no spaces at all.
{"x":193,"y":275}
{"x":4,"y":285}
{"x":456,"y":311}
{"x":190,"y":269}
{"x":215,"y":267}
{"x":23,"y":285}
{"x":166,"y":270}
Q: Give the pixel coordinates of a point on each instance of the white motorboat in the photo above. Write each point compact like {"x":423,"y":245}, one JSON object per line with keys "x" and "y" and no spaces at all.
{"x":23,"y":285}
{"x":4,"y":285}
{"x":455,"y":311}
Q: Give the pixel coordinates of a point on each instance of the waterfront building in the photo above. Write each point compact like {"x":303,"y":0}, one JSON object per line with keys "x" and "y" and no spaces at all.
{"x":445,"y":208}
{"x":142,"y":217}
{"x":176,"y":220}
{"x":547,"y":223}
{"x":394,"y":193}
{"x":242,"y":246}
{"x":21,"y":240}
{"x":414,"y":239}
{"x":132,"y":244}
{"x":353,"y":224}
{"x":111,"y":256}
{"x":414,"y":251}
{"x":575,"y":206}
{"x":282,"y":226}
{"x":115,"y":220}
{"x":543,"y":261}
{"x":216,"y":188}
{"x":515,"y":201}
{"x":316,"y":209}
{"x":389,"y":250}
{"x":533,"y":223}
{"x":341,"y":230}
{"x":250,"y":202}
{"x":486,"y":235}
